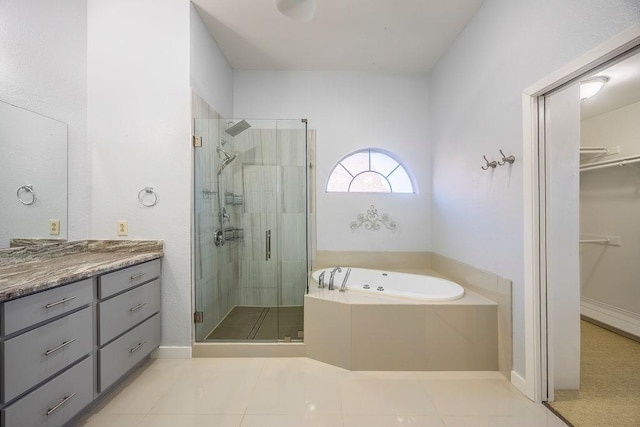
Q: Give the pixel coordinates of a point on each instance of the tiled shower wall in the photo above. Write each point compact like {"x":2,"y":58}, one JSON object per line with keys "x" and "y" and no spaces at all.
{"x":270,"y":175}
{"x":216,"y":268}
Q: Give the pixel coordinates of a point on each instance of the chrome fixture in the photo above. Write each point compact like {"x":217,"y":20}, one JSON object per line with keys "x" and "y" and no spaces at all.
{"x":489,"y":164}
{"x":26,"y":190}
{"x":505,"y":159}
{"x":333,"y":273}
{"x":225,"y":216}
{"x":343,"y":287}
{"x":380,"y":288}
{"x":237,"y":128}
{"x":321,"y":280}
{"x":228,"y":158}
{"x":366,"y":287}
{"x":147,"y":197}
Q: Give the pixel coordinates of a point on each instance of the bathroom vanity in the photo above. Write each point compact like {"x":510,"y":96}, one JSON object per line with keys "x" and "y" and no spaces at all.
{"x":75,"y":318}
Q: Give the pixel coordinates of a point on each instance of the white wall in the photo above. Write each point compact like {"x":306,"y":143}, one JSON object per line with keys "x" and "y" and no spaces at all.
{"x":353,"y":110}
{"x":211,"y":74}
{"x":43,"y":68}
{"x":610,"y":206}
{"x":139,"y":132}
{"x":475,"y":109}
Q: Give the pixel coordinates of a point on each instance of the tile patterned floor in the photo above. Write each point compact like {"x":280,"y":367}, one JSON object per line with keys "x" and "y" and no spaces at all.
{"x":283,"y":392}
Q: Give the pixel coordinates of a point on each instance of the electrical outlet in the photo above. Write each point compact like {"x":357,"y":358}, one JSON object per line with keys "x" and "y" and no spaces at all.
{"x":54,"y":227}
{"x":123,"y":228}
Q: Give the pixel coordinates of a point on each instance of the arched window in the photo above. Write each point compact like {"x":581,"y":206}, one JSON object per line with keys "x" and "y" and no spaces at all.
{"x":369,"y":171}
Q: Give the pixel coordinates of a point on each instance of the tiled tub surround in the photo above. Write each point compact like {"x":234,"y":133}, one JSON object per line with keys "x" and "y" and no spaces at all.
{"x":361,"y":332}
{"x":29,"y":269}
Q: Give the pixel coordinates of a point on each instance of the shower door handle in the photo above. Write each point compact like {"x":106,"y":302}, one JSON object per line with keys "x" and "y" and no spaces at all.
{"x":268,"y":244}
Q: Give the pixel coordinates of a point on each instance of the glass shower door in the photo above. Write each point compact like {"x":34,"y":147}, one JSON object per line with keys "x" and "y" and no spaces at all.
{"x":250,"y":230}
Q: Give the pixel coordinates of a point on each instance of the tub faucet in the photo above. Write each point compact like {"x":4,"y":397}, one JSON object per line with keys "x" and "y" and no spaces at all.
{"x":321,"y":280}
{"x":333,"y":273}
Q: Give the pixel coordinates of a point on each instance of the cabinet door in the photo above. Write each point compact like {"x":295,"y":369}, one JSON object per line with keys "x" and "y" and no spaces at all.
{"x":55,"y":402}
{"x":121,"y":280}
{"x":125,"y":352}
{"x":34,"y":356}
{"x":23,"y":312}
{"x":119,"y":314}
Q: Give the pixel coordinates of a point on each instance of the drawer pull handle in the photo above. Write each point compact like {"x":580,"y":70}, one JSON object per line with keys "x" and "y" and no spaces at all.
{"x":62,"y":301}
{"x":137,"y":276}
{"x":62,"y":402}
{"x":138,"y":347}
{"x":137,"y":307}
{"x":54,"y":349}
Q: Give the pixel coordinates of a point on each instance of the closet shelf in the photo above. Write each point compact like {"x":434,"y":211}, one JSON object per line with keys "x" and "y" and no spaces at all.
{"x":602,"y":240}
{"x":603,"y":151}
{"x":622,"y":161}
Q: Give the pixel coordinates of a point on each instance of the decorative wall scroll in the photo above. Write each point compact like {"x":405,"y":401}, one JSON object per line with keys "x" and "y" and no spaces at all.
{"x":372,"y":221}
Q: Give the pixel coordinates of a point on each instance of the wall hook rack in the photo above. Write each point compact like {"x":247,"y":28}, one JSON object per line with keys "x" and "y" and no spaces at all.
{"x":505,"y":159}
{"x":489,"y":164}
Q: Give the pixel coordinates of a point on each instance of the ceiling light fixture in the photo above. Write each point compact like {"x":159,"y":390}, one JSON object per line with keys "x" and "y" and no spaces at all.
{"x":298,"y":10}
{"x":590,"y":87}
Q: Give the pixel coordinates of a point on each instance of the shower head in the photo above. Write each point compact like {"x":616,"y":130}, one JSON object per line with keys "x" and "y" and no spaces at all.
{"x":226,"y":155}
{"x":228,"y":158}
{"x":237,"y":128}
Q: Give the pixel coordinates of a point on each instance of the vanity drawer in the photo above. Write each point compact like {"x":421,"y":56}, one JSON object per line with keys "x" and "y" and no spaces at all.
{"x":126,"y":310}
{"x":34,"y":356}
{"x":55,"y":402}
{"x":121,"y":280}
{"x":30,"y":310}
{"x":125,"y":352}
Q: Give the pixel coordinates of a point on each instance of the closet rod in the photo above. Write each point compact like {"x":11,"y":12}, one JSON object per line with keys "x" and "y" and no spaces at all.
{"x":607,"y":163}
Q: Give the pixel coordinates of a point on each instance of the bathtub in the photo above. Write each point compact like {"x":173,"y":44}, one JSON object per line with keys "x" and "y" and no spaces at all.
{"x":405,"y":285}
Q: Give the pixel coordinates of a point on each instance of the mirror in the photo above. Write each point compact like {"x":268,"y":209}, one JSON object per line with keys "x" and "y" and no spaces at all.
{"x":33,"y":175}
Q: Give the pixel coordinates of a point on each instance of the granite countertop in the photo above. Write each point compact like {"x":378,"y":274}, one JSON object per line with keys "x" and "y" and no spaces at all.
{"x":33,"y":268}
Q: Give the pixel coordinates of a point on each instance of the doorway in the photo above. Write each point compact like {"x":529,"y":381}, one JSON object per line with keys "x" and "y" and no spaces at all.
{"x":589,"y":244}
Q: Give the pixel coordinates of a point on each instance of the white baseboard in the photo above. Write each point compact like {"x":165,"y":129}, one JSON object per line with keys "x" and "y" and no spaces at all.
{"x":623,"y":320}
{"x":167,"y":352}
{"x":519,"y":382}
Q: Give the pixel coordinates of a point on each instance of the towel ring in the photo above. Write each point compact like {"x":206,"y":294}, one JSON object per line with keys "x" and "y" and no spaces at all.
{"x":145,"y":191}
{"x":25,"y":190}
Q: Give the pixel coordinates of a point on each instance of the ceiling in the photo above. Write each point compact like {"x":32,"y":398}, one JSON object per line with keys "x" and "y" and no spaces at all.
{"x":380,"y":35}
{"x":623,"y":88}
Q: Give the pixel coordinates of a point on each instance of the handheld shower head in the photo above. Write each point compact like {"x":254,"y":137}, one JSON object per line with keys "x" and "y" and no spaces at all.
{"x":226,"y":155}
{"x":228,"y":158}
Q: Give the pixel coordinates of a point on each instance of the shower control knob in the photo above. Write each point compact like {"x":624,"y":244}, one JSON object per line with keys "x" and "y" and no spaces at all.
{"x":366,"y":287}
{"x":380,"y":288}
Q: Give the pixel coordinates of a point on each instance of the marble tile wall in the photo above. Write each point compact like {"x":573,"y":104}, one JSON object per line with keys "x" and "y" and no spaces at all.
{"x":216,"y":268}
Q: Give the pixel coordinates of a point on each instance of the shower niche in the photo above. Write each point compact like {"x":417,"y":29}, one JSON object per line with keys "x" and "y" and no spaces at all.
{"x":251,"y":229}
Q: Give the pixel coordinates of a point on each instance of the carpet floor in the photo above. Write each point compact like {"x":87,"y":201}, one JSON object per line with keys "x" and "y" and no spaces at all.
{"x":609,"y":392}
{"x":260,"y":323}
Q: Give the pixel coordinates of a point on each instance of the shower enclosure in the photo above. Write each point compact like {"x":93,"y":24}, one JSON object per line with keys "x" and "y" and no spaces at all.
{"x":251,"y":229}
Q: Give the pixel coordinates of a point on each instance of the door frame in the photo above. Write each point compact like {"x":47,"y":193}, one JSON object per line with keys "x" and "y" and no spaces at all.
{"x":535,"y":382}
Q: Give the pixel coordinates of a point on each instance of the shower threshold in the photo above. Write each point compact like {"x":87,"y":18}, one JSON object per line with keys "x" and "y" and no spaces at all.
{"x":250,"y":323}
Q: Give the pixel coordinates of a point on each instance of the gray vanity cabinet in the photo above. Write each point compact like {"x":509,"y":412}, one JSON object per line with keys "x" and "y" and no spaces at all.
{"x":61,"y":348}
{"x":128,"y":319}
{"x":45,"y":348}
